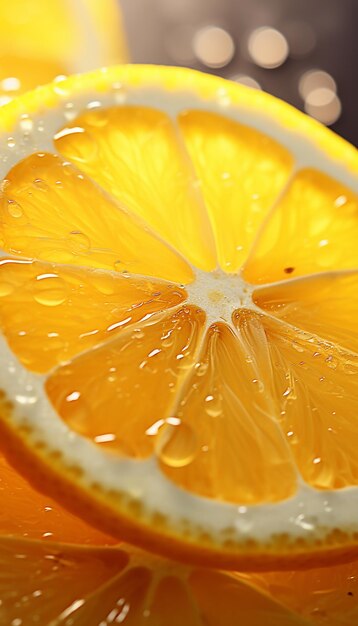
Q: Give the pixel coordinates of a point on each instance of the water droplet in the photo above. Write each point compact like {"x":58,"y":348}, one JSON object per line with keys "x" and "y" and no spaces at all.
{"x":60,"y":86}
{"x":74,"y":410}
{"x":138,"y":333}
{"x":108,"y":438}
{"x":340,"y":201}
{"x":84,"y":148}
{"x":213,"y":405}
{"x":49,"y":290}
{"x":323,"y":242}
{"x":14,"y":209}
{"x":201,"y":368}
{"x":26,"y":400}
{"x":296,"y":346}
{"x":97,"y":118}
{"x":167,"y":340}
{"x":177,"y":445}
{"x":39,"y":183}
{"x":94,"y":104}
{"x":70,"y":112}
{"x":306,"y":522}
{"x":26,"y":124}
{"x":120,"y":93}
{"x":11,"y":142}
{"x":10,"y":83}
{"x":104,"y":282}
{"x":259,"y":386}
{"x":332,"y":362}
{"x":289,"y":393}
{"x":154,"y":352}
{"x":78,"y":243}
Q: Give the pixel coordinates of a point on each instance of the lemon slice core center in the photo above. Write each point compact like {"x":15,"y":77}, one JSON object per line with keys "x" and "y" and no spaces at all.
{"x":220,"y":294}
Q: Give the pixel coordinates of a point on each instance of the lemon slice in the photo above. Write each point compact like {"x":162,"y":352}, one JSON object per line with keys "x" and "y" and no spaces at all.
{"x":41,"y":40}
{"x":53,"y":580}
{"x":178,"y":291}
{"x":61,"y":584}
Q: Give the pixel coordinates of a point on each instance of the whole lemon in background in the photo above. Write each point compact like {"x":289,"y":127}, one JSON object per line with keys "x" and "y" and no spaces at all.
{"x":47,"y":38}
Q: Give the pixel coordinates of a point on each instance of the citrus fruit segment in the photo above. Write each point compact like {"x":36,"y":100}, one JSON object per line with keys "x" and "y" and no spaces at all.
{"x":327,"y":595}
{"x":208,"y":428}
{"x":47,"y":582}
{"x":50,"y":211}
{"x":306,"y":231}
{"x":41,"y":301}
{"x":141,"y":148}
{"x":241,"y":170}
{"x":315,"y":384}
{"x":224,"y":404}
{"x":94,"y":394}
{"x":325,"y":305}
{"x":59,"y":584}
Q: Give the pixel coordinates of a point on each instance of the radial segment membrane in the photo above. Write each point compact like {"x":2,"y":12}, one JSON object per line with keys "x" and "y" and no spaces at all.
{"x":135,"y":153}
{"x":27,"y":513}
{"x":51,"y":211}
{"x":49,"y":583}
{"x":314,"y":387}
{"x":324,"y":304}
{"x":123,"y":599}
{"x":120,"y":395}
{"x":241,"y":172}
{"x":314,"y":228}
{"x":226,"y":419}
{"x":326,"y":595}
{"x":229,"y":600}
{"x":45,"y":584}
{"x":49,"y":313}
{"x":173,"y":601}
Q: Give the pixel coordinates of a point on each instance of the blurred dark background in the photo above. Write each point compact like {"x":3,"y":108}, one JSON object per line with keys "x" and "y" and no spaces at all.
{"x":304,"y":51}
